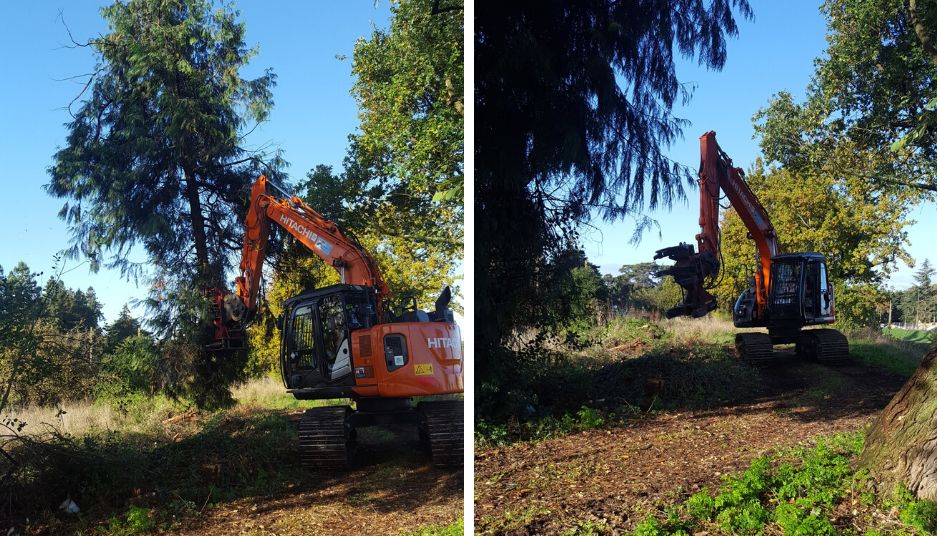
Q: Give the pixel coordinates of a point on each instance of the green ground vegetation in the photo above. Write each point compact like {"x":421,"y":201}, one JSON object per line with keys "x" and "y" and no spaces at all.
{"x":799,"y":491}
{"x":169,"y":458}
{"x":629,"y":366}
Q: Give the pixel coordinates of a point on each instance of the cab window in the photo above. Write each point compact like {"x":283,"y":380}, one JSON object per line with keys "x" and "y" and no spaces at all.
{"x":334,"y":326}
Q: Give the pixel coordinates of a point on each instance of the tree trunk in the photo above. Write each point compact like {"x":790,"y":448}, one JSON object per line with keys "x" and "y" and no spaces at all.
{"x":901,"y":447}
{"x":198,"y":227}
{"x":920,"y":28}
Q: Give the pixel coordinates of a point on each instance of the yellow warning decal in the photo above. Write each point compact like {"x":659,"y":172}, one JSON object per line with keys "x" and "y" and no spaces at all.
{"x":424,"y":369}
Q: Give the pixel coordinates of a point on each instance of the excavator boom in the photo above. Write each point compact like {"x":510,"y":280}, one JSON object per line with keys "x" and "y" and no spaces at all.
{"x":695,"y":272}
{"x":320,"y":235}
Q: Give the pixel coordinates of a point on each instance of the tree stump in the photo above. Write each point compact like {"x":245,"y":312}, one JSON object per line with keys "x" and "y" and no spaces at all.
{"x":901,"y":447}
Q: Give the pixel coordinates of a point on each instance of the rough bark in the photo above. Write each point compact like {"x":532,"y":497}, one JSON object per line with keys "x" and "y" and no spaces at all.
{"x":921,"y":29}
{"x":198,"y":226}
{"x":901,"y":447}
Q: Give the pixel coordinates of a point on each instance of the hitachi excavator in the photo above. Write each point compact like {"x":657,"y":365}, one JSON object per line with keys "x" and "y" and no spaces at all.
{"x":345,"y":341}
{"x":788,"y":292}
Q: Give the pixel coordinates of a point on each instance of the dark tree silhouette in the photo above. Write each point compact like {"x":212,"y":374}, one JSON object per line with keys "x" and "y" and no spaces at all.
{"x":573,"y":113}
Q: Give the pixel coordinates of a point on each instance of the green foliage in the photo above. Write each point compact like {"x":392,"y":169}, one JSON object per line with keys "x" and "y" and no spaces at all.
{"x":132,"y":367}
{"x":138,"y":520}
{"x":794,"y":492}
{"x":918,"y":513}
{"x":409,"y":90}
{"x":871,"y":93}
{"x":919,"y":302}
{"x":456,"y":528}
{"x":124,"y":327}
{"x":489,"y":434}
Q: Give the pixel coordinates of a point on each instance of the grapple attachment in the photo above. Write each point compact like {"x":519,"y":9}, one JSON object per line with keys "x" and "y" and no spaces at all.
{"x":691,"y":271}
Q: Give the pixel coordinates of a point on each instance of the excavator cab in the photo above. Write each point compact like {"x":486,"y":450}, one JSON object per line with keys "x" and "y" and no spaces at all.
{"x":315,"y":349}
{"x":800,"y":290}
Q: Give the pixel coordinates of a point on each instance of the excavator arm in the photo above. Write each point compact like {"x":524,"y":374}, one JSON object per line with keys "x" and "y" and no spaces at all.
{"x":696,"y":271}
{"x":269,"y":205}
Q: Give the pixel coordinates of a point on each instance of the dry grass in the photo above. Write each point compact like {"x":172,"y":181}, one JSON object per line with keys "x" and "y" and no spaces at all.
{"x":75,"y":418}
{"x":258,"y":389}
{"x":140,"y":414}
{"x":83,"y":417}
{"x":694,"y":330}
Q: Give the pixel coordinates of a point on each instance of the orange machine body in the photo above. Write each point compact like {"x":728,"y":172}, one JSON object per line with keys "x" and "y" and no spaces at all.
{"x":390,"y":357}
{"x":433,"y":365}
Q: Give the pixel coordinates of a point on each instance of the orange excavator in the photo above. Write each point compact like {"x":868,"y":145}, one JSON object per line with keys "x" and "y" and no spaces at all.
{"x":346,"y":340}
{"x":788,"y":291}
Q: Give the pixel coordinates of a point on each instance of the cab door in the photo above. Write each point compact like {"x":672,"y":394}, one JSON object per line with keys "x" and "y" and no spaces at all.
{"x":826,"y":294}
{"x":335,"y":347}
{"x":300,"y":356}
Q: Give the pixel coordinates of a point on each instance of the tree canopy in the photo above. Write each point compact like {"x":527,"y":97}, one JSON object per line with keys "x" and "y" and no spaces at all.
{"x":874,"y":91}
{"x":409,"y":88}
{"x":153,"y":154}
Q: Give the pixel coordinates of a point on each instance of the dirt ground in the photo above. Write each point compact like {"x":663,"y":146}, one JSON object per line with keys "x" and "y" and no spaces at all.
{"x":614,"y":476}
{"x":392,"y":489}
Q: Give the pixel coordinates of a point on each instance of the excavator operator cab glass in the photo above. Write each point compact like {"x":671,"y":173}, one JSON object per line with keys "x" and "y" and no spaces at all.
{"x":336,"y":350}
{"x":800,"y":291}
{"x":786,"y":299}
{"x":301,"y":342}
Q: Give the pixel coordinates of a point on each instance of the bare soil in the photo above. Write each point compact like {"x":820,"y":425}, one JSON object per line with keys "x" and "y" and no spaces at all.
{"x":393,"y":489}
{"x":615,"y":476}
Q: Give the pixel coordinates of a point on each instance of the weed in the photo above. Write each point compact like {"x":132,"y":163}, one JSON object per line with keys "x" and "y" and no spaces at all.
{"x":137,"y":520}
{"x":456,"y":528}
{"x":793,"y":492}
{"x":920,"y":514}
{"x":588,"y":528}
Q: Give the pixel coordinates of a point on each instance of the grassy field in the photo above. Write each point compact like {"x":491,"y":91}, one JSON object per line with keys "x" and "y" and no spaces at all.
{"x":910,"y":335}
{"x":141,"y":464}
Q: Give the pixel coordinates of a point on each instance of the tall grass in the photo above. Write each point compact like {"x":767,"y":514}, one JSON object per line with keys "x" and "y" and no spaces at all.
{"x":134,"y":414}
{"x":143,"y":414}
{"x":709,"y":329}
{"x":900,"y":356}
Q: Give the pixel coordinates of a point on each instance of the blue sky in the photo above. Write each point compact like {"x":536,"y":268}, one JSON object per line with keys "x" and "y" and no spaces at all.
{"x":312,"y":118}
{"x":314,"y":114}
{"x":772,"y":53}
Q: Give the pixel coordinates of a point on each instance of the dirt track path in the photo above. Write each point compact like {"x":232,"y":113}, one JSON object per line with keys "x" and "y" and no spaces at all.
{"x":394,"y":489}
{"x":611,"y":476}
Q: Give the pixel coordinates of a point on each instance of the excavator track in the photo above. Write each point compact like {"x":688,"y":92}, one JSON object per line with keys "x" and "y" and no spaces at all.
{"x":754,"y":347}
{"x":326,"y":438}
{"x":826,"y":346}
{"x":441,"y":426}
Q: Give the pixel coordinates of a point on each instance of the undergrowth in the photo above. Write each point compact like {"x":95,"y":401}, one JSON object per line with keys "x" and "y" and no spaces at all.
{"x":796,"y":492}
{"x":152,"y":460}
{"x":637,"y":366}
